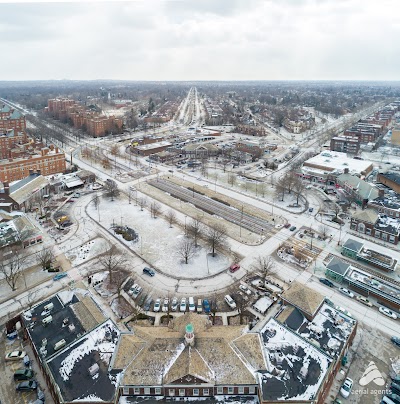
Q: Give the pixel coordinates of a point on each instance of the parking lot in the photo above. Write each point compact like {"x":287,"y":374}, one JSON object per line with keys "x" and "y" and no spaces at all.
{"x":369,"y":369}
{"x":8,"y":393}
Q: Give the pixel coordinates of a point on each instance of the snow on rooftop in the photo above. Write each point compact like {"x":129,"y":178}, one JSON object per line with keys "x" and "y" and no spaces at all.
{"x":291,"y":357}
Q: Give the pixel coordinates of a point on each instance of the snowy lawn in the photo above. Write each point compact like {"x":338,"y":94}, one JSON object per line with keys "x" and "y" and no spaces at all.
{"x":158,"y":242}
{"x":87,"y":251}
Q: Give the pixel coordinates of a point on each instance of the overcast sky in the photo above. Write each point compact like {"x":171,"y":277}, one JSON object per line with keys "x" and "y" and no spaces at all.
{"x":201,"y":40}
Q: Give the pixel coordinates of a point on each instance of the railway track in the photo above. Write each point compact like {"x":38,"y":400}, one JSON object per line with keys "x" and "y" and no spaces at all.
{"x":229,"y":213}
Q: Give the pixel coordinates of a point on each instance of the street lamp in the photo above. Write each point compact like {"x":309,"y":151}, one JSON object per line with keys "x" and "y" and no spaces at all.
{"x":185,"y":225}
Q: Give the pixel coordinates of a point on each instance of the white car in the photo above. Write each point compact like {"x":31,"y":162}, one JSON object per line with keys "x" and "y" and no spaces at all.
{"x":346,"y":387}
{"x":346,"y":292}
{"x":230,"y":302}
{"x":388,"y":312}
{"x":157,"y":305}
{"x":174,"y":304}
{"x":183,"y":304}
{"x":245,"y":289}
{"x":165,"y":305}
{"x":364,"y":300}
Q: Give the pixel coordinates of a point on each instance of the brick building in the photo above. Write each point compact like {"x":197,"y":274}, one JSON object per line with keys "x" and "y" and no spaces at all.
{"x":346,"y":144}
{"x":391,"y":180}
{"x":80,"y":117}
{"x":11,"y":119}
{"x":46,"y":160}
{"x":9,"y":140}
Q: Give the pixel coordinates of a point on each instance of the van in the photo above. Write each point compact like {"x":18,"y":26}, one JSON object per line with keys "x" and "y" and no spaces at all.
{"x":192,"y":306}
{"x":60,"y":344}
{"x":49,"y":307}
{"x":47,"y":320}
{"x":199,"y":305}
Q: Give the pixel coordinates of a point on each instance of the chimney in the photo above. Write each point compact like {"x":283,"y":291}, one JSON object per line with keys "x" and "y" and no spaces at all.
{"x":346,"y":170}
{"x":57,"y":150}
{"x":6,"y":187}
{"x":381,"y":193}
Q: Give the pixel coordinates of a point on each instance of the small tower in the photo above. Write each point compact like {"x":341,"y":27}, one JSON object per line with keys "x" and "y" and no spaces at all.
{"x":189,"y":335}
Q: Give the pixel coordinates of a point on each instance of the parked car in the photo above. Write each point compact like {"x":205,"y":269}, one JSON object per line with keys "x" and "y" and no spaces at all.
{"x":206,"y":306}
{"x":395,"y":388}
{"x":199,"y":308}
{"x":60,"y":276}
{"x":364,"y":300}
{"x":174,"y":304}
{"x":165,"y":305}
{"x":147,"y":305}
{"x":343,"y":310}
{"x":26,"y":360}
{"x":54,"y":269}
{"x":293,"y":228}
{"x":27,"y":386}
{"x":23,"y":374}
{"x":395,"y":340}
{"x":287,"y":225}
{"x":388,"y":312}
{"x":149,"y":271}
{"x":157,"y":305}
{"x":245,"y":289}
{"x":346,"y":292}
{"x":234,"y":267}
{"x":192,"y":306}
{"x":310,"y":209}
{"x":182,"y":306}
{"x":395,"y":398}
{"x":230,"y":302}
{"x":345,"y":390}
{"x":15,"y":355}
{"x":326,"y":282}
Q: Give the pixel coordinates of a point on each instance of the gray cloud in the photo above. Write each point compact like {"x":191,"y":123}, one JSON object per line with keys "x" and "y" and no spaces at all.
{"x":207,"y":39}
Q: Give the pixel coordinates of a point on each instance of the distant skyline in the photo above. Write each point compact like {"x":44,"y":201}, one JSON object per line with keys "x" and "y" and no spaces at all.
{"x":172,"y":40}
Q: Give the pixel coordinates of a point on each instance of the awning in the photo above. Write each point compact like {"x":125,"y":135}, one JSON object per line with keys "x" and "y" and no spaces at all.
{"x":74,"y":183}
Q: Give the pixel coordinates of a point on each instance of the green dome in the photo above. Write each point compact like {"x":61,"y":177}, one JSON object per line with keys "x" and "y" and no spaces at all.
{"x":189,"y":328}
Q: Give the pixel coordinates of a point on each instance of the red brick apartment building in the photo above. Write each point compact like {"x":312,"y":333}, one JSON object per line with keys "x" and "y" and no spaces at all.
{"x":9,"y":140}
{"x":95,"y":124}
{"x":46,"y":160}
{"x":11,"y":119}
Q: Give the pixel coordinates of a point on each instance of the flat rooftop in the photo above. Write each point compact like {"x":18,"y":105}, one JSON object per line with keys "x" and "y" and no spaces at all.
{"x":336,"y":161}
{"x":155,"y":145}
{"x":296,"y":368}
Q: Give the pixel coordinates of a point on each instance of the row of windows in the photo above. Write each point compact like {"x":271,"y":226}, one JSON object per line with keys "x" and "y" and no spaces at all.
{"x":182,"y":392}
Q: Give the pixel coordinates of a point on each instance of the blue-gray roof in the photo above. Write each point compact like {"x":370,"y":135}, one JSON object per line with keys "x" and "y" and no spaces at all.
{"x":353,"y":245}
{"x":338,"y":266}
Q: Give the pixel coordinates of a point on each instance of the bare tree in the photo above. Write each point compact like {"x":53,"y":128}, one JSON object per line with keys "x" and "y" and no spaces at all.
{"x":195,"y":229}
{"x":142,"y":202}
{"x":298,"y":189}
{"x":155,"y":209}
{"x":118,"y":279}
{"x":323,"y":229}
{"x":44,"y":257}
{"x":186,"y":250}
{"x":136,"y":312}
{"x":112,"y":260}
{"x":171,"y":217}
{"x":115,"y":150}
{"x":213,"y":308}
{"x":11,"y":265}
{"x":265,"y":265}
{"x":106,"y":163}
{"x":111,"y":189}
{"x":232,"y":179}
{"x":242,"y":301}
{"x":215,"y":237}
{"x":280,"y":190}
{"x":96,"y":203}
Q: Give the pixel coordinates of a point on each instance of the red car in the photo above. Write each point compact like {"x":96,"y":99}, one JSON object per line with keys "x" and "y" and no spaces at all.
{"x":287,"y":225}
{"x":234,"y":267}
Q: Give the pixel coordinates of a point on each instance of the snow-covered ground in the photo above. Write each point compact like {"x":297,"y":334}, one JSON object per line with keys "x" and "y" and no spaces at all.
{"x":158,"y":242}
{"x":87,"y":251}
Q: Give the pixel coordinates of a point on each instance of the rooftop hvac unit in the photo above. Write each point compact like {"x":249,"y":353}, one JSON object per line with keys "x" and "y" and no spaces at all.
{"x":44,"y":342}
{"x":94,"y":369}
{"x":60,"y":344}
{"x":65,"y":321}
{"x":71,"y":328}
{"x":48,"y":307}
{"x":47,"y":320}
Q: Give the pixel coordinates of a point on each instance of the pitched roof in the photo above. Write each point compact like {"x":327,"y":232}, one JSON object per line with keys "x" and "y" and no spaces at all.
{"x":189,"y":362}
{"x":367,"y":215}
{"x":303,"y":297}
{"x":24,"y":189}
{"x":15,"y":115}
{"x":353,"y":245}
{"x":338,"y":266}
{"x":364,"y":189}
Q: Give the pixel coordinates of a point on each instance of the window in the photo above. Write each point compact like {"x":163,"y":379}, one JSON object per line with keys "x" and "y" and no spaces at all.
{"x":136,"y":390}
{"x":181,"y":392}
{"x":377,"y":234}
{"x":391,"y":239}
{"x":125,"y":391}
{"x":147,"y":390}
{"x":252,"y":390}
{"x":195,"y":392}
{"x":384,"y":236}
{"x":157,"y":390}
{"x":368,"y":231}
{"x":230,"y":390}
{"x":171,"y":392}
{"x":206,"y":392}
{"x":241,"y":390}
{"x":220,"y":390}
